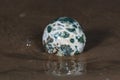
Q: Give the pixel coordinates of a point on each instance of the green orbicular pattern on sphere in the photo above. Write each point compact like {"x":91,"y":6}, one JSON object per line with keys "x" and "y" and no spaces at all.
{"x":72,"y":40}
{"x":64,"y":37}
{"x":80,"y":39}
{"x":74,"y":25}
{"x":66,"y":19}
{"x":63,"y":34}
{"x":71,"y":29}
{"x":66,"y":49}
{"x":50,"y":47}
{"x":49,"y":29}
{"x":49,"y":39}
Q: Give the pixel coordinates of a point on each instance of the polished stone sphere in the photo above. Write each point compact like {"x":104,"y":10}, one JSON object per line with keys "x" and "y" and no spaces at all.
{"x":64,"y":37}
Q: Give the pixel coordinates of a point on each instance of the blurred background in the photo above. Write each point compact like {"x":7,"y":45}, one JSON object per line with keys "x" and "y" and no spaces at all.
{"x":21,"y":27}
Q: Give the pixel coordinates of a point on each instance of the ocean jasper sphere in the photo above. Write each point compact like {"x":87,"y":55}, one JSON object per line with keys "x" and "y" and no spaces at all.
{"x":64,"y":37}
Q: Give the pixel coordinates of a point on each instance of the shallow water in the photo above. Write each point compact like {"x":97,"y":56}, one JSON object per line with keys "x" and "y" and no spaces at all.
{"x":22,"y":56}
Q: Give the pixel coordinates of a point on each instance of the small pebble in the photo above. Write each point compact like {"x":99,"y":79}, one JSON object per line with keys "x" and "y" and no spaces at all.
{"x":28,"y":43}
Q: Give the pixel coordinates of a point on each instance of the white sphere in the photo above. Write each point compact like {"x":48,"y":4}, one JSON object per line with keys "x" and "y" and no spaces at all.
{"x":64,"y":37}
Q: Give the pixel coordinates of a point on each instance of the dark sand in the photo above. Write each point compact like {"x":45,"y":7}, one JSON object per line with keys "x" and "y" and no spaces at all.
{"x":24,"y":20}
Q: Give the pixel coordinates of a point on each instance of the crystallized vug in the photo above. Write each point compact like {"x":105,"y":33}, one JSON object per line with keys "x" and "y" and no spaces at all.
{"x":64,"y":37}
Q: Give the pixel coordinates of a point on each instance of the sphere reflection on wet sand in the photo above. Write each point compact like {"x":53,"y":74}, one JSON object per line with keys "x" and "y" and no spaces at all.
{"x":67,"y":66}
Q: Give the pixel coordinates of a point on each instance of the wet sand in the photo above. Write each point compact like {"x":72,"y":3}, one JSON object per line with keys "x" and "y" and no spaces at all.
{"x":23,"y":22}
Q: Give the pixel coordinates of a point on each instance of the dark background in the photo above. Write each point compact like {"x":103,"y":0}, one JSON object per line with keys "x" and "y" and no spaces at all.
{"x":23,"y":21}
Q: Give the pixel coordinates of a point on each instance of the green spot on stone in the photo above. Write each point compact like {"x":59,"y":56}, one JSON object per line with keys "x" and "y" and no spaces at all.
{"x":56,"y":35}
{"x":49,"y":39}
{"x":66,"y":19}
{"x":66,"y":49}
{"x":76,"y":52}
{"x":80,"y":28}
{"x":74,"y":26}
{"x":81,"y":39}
{"x":64,"y":34}
{"x":76,"y":47}
{"x":71,"y":29}
{"x":49,"y":28}
{"x":49,"y":48}
{"x":72,"y":40}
